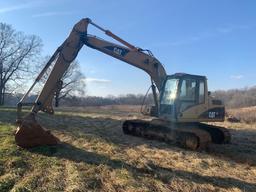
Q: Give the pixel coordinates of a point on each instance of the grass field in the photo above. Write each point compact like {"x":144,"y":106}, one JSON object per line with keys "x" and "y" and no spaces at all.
{"x":246,"y":114}
{"x":96,"y":156}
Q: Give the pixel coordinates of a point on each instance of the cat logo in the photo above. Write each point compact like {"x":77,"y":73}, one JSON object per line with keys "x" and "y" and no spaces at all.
{"x":117,"y":51}
{"x":212,"y":114}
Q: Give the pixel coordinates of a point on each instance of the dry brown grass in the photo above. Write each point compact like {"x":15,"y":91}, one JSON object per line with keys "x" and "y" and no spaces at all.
{"x":246,"y":115}
{"x":96,"y":156}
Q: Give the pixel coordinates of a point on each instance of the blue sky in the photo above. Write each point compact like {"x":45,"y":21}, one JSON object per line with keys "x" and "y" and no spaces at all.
{"x":214,"y":38}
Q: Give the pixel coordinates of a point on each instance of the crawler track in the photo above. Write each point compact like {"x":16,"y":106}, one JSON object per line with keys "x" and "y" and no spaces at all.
{"x":195,"y":136}
{"x":219,"y":135}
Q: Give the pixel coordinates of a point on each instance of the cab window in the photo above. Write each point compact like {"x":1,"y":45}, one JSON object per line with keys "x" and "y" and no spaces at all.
{"x":188,"y":90}
{"x":188,"y":96}
{"x":170,"y":91}
{"x":201,"y":92}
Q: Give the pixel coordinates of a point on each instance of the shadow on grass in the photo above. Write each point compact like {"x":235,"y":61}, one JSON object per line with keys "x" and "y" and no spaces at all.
{"x":242,"y":148}
{"x":69,"y":152}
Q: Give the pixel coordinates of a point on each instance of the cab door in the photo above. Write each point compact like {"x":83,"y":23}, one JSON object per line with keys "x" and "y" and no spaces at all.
{"x":191,"y":99}
{"x":168,"y":99}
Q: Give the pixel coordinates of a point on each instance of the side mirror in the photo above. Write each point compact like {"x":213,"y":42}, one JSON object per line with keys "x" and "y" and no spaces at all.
{"x":209,"y":93}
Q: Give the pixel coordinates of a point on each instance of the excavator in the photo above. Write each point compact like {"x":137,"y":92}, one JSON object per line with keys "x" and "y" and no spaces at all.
{"x":182,"y":104}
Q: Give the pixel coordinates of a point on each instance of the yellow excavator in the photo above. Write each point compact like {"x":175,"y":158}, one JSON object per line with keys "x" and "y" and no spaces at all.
{"x":181,"y":101}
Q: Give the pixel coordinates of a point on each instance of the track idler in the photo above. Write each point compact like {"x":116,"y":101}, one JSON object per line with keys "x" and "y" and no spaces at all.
{"x":30,"y":134}
{"x":220,"y":135}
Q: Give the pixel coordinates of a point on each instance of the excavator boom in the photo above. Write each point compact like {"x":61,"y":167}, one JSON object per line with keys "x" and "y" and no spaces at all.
{"x":64,"y":55}
{"x":68,"y":51}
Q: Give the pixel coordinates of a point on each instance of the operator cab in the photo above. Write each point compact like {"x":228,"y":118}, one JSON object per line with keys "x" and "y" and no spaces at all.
{"x":181,"y":92}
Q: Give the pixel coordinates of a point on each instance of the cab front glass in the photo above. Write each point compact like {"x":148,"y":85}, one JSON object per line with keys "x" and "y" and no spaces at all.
{"x":168,"y":95}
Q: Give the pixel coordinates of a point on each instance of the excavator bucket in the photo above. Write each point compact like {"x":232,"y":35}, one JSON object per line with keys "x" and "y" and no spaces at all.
{"x":30,"y":134}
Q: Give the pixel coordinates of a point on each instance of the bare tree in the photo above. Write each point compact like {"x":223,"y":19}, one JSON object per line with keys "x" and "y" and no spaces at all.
{"x":235,"y":98}
{"x":17,"y":52}
{"x":72,"y":83}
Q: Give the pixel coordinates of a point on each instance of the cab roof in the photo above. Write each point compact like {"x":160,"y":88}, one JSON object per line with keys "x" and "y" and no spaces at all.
{"x":186,"y":75}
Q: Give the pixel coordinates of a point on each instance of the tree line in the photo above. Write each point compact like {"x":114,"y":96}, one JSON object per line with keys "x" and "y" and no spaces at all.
{"x":235,"y":98}
{"x":70,"y":101}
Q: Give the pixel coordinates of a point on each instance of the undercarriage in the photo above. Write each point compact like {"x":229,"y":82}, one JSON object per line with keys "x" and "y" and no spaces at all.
{"x":194,"y":136}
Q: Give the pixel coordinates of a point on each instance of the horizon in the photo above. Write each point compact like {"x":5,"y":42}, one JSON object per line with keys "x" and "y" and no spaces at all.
{"x":136,"y":94}
{"x":215,"y":39}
